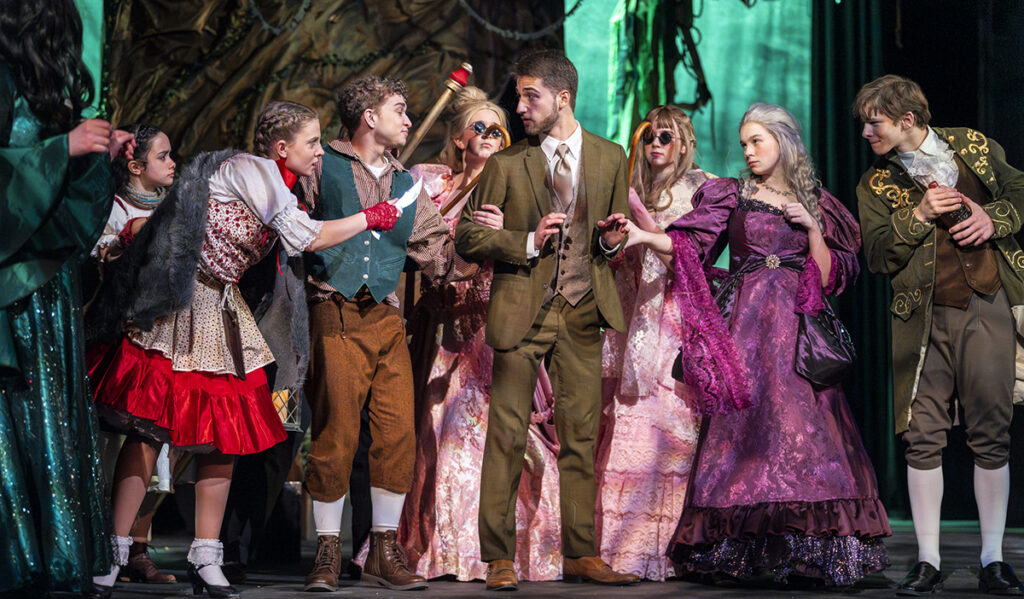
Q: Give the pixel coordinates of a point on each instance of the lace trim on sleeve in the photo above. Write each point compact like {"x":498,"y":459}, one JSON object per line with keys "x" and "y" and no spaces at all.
{"x":296,"y":229}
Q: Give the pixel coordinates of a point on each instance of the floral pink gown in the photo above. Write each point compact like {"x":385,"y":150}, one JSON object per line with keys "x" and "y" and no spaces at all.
{"x":649,"y":432}
{"x":453,"y":374}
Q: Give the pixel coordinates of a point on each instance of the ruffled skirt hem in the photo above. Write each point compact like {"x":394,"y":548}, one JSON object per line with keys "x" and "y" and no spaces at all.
{"x":137,"y":390}
{"x":860,"y":517}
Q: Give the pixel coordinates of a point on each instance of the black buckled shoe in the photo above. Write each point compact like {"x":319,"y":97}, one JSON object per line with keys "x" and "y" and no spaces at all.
{"x":923,"y":579}
{"x":997,"y":578}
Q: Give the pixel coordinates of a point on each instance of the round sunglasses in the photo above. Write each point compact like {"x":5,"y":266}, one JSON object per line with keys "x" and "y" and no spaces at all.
{"x":664,"y":137}
{"x":480,"y":129}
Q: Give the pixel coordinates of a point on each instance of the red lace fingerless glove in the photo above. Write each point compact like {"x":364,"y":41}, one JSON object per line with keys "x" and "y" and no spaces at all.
{"x":381,"y":217}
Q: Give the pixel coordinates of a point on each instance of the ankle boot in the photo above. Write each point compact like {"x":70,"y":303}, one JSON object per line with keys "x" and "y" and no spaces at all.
{"x":385,"y":564}
{"x":326,"y":566}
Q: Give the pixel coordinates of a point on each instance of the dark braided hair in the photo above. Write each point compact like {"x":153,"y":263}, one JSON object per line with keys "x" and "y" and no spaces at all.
{"x":144,"y":135}
{"x":41,"y":41}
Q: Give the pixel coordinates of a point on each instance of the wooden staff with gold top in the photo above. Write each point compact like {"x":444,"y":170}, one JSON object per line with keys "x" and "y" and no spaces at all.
{"x":456,"y":81}
{"x":507,"y":139}
{"x":642,"y":128}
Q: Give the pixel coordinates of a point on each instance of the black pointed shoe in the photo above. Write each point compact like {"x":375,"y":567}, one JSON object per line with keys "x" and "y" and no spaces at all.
{"x":997,"y":578}
{"x":923,"y":579}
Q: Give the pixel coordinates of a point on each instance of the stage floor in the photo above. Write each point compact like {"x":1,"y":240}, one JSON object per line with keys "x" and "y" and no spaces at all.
{"x":960,"y":563}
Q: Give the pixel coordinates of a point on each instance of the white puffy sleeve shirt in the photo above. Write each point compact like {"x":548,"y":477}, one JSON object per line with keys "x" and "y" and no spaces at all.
{"x":257,"y":182}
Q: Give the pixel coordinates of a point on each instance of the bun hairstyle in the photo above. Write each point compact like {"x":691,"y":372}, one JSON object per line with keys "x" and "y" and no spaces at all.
{"x":144,"y":135}
{"x":797,"y":167}
{"x":665,"y":117}
{"x":279,"y":119}
{"x":467,"y":103}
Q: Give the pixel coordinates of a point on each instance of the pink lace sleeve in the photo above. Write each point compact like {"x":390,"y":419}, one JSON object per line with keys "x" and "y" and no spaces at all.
{"x":711,"y":366}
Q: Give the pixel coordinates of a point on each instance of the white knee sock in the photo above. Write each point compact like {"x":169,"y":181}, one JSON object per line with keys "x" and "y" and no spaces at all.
{"x":992,"y":492}
{"x":387,"y":509}
{"x":925,"y":488}
{"x":327,"y":516}
{"x":207,"y":555}
{"x":120,"y":546}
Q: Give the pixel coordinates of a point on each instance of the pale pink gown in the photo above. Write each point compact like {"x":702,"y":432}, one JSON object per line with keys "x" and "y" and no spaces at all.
{"x":649,"y":433}
{"x":439,"y":524}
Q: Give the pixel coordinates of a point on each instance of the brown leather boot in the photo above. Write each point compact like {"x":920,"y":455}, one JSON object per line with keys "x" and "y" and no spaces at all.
{"x":141,"y":568}
{"x":593,"y":569}
{"x":326,"y":565}
{"x":385,"y":564}
{"x":501,"y":576}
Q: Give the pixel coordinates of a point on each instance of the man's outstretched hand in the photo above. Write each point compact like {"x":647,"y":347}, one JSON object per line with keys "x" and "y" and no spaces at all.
{"x":613,"y":229}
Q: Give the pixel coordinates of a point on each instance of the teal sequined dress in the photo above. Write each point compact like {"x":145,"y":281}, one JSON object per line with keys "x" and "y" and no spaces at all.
{"x":53,"y":509}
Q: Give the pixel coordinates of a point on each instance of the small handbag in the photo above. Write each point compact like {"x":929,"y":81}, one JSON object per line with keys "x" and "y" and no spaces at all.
{"x":824,"y":348}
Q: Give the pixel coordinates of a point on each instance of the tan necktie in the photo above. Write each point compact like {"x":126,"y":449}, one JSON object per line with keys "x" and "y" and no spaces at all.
{"x":562,"y":177}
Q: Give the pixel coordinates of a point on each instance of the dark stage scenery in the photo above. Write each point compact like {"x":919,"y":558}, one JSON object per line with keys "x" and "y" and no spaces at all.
{"x":583,"y":298}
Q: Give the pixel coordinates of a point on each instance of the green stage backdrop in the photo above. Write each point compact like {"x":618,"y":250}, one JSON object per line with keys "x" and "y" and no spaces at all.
{"x":92,"y":44}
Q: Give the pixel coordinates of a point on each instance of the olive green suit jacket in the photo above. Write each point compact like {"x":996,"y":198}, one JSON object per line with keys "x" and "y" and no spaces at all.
{"x":514,"y":181}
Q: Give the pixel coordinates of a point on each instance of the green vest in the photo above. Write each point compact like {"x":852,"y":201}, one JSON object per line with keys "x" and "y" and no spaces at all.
{"x":364,"y":259}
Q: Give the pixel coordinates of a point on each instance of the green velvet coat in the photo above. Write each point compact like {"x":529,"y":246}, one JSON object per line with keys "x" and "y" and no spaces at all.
{"x":897,"y":244}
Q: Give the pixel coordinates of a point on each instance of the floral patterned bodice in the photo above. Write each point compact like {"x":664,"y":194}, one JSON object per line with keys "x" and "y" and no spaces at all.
{"x":235,"y":240}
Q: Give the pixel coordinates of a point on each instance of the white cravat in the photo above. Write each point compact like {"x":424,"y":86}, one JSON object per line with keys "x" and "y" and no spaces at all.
{"x":932,"y":162}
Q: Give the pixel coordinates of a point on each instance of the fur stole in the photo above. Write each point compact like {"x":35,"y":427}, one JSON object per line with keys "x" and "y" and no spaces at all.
{"x":156,"y":274}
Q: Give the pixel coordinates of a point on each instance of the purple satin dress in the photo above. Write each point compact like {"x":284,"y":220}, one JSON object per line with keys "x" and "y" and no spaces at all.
{"x":781,"y":484}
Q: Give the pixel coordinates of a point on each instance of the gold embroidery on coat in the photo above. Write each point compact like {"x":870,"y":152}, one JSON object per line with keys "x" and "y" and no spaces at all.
{"x":1016,"y":259}
{"x":904,"y":301}
{"x":880,"y":185}
{"x":978,"y":150}
{"x":909,"y":223}
{"x":1000,"y":215}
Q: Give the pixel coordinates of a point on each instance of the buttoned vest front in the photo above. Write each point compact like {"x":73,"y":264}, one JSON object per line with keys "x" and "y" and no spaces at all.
{"x":572,"y":270}
{"x":364,"y":259}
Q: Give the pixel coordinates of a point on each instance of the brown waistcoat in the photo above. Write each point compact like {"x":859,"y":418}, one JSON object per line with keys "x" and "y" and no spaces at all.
{"x":960,"y":272}
{"x":572,"y":271}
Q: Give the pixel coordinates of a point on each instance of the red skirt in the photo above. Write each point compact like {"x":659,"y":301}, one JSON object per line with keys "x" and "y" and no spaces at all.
{"x":137,"y":390}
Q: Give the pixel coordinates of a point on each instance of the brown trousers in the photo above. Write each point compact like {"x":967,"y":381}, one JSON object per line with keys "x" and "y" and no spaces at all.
{"x":359,"y":356}
{"x":970,"y":356}
{"x":572,"y":338}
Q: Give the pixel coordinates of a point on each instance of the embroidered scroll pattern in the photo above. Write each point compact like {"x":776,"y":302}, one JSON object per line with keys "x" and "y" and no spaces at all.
{"x":882,"y":186}
{"x":977,"y":150}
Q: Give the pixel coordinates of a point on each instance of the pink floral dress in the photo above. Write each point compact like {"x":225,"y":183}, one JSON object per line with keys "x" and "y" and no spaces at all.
{"x":649,"y":432}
